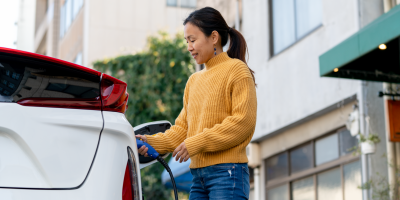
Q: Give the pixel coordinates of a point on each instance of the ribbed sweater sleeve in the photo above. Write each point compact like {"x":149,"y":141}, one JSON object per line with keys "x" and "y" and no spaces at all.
{"x":173,"y":137}
{"x":234,"y":129}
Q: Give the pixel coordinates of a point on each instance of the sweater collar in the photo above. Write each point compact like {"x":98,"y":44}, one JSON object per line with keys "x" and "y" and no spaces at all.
{"x":220,"y":58}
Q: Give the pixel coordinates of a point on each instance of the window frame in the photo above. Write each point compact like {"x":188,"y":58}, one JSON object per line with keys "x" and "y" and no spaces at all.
{"x":180,"y":6}
{"x":170,"y":5}
{"x":271,"y":31}
{"x":314,"y":171}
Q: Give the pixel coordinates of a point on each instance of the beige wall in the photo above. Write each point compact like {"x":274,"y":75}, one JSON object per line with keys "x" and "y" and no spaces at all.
{"x":104,"y":28}
{"x":40,"y":12}
{"x":109,"y":28}
{"x":121,"y":27}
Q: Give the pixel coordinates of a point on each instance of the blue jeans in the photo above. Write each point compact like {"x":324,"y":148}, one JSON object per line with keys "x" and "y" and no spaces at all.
{"x":220,"y":182}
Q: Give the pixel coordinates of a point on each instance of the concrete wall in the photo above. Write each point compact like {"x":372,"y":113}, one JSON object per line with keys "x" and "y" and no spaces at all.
{"x":369,"y":10}
{"x":374,"y":108}
{"x":121,"y":27}
{"x":289,"y":85}
{"x":290,"y":90}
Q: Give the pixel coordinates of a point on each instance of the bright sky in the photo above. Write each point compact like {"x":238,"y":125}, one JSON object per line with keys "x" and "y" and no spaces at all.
{"x":8,"y":17}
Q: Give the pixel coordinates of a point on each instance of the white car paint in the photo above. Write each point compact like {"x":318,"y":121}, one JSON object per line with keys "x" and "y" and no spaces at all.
{"x":106,"y":176}
{"x":46,"y":147}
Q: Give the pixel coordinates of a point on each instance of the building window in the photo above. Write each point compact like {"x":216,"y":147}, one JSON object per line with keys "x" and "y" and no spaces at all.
{"x":278,"y":193}
{"x":346,"y":141}
{"x":303,"y":189}
{"x":68,"y":12}
{"x":326,"y":149}
{"x":323,"y":168}
{"x":292,"y":20}
{"x":352,"y":179}
{"x":277,"y":166}
{"x":183,"y":3}
{"x":329,"y":185}
{"x":78,"y":59}
{"x":301,"y":158}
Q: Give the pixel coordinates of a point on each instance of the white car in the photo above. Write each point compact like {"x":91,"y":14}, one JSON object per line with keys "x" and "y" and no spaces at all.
{"x":63,"y":132}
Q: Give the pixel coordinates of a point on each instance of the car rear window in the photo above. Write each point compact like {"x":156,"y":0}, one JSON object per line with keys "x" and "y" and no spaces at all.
{"x":22,"y":78}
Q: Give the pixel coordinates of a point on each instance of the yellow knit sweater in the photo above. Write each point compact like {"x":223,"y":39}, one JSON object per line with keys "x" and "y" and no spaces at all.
{"x":218,"y":117}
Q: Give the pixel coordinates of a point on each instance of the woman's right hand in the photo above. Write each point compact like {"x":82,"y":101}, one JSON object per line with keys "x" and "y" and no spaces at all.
{"x":142,"y":150}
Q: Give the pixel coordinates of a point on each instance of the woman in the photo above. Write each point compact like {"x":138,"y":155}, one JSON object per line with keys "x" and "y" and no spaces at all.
{"x":218,"y":117}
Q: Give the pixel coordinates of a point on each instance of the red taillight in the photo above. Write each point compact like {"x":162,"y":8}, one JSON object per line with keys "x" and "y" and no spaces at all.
{"x":131,"y":179}
{"x":89,"y":104}
{"x":127,"y":186}
{"x":113,"y":94}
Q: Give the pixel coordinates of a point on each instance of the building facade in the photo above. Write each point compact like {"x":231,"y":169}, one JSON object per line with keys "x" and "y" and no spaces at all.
{"x":305,"y":150}
{"x":26,"y":25}
{"x":84,"y":31}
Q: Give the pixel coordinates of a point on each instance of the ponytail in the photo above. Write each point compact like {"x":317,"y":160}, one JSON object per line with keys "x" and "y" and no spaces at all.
{"x":238,"y":48}
{"x":208,"y":20}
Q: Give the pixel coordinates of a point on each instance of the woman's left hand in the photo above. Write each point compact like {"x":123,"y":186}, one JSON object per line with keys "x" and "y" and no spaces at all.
{"x":181,"y":153}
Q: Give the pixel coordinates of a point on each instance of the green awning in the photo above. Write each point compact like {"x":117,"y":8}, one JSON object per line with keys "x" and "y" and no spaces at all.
{"x":359,"y":56}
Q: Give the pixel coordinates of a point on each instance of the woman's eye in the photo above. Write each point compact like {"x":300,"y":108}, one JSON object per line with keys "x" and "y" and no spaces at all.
{"x":192,"y":41}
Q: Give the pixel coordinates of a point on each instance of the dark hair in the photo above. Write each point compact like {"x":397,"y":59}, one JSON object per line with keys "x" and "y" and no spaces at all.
{"x":208,"y":20}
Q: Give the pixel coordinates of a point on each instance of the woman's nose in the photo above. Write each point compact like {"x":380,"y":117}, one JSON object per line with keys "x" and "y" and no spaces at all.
{"x":190,"y":47}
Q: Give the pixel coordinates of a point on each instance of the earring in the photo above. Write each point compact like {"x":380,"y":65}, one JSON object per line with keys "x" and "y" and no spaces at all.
{"x":215,"y":51}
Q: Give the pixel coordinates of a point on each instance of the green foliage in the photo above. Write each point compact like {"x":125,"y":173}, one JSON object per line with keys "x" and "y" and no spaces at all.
{"x":380,"y":187}
{"x":152,"y":186}
{"x":372,"y":138}
{"x":156,"y":81}
{"x":156,"y":78}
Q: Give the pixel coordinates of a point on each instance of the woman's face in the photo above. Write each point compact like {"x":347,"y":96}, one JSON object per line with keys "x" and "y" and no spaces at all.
{"x":200,"y":46}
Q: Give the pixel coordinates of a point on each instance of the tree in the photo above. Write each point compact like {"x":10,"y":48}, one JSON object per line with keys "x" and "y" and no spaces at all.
{"x":156,"y":80}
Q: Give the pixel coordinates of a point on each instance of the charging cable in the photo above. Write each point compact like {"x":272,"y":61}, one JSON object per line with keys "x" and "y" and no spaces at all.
{"x":154,"y":154}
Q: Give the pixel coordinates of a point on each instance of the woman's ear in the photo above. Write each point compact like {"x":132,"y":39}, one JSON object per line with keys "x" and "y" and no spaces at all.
{"x":215,"y":37}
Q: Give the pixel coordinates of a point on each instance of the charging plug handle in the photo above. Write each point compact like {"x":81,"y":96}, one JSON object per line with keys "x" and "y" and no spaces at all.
{"x":150,"y":152}
{"x":154,"y":154}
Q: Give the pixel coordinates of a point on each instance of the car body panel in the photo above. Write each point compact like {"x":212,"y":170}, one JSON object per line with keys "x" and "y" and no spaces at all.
{"x":106,"y":176}
{"x":46,"y":147}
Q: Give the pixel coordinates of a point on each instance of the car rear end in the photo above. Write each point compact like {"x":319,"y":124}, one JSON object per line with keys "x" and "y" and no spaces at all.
{"x":63,"y":133}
